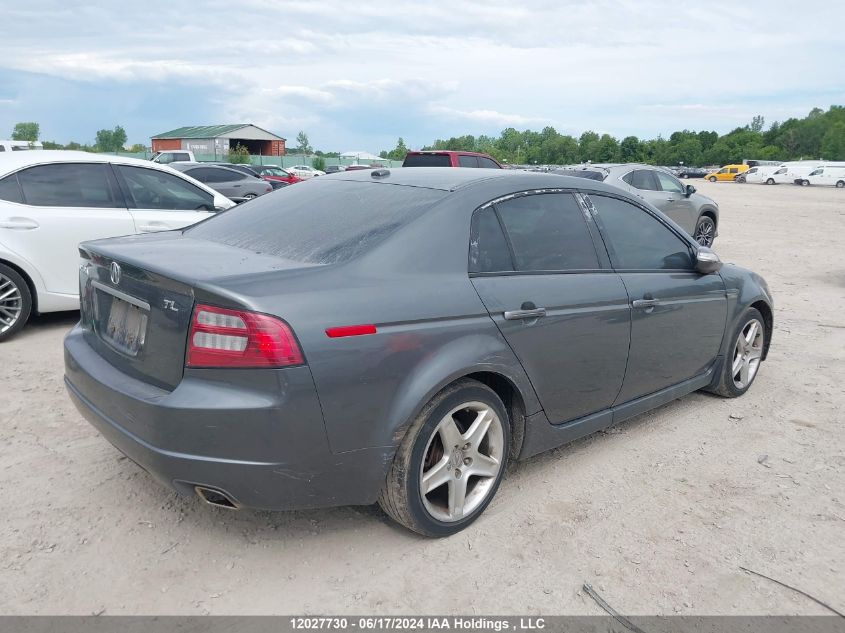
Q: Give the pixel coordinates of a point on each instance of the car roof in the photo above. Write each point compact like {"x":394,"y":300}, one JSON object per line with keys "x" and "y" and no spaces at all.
{"x":452,"y":179}
{"x":183,"y":167}
{"x":12,"y":161}
{"x":449,"y":152}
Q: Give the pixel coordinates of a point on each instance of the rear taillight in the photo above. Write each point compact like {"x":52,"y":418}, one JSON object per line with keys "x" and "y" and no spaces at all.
{"x":220,"y":337}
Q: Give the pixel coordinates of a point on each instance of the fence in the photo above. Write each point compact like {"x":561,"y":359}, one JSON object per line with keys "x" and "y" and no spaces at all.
{"x":288,"y":160}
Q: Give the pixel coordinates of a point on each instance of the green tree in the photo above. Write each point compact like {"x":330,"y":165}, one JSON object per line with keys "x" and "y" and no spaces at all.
{"x":607,"y":149}
{"x":26,"y":131}
{"x":588,"y":146}
{"x":757,"y":123}
{"x":398,"y":152}
{"x":630,"y":150}
{"x":303,"y":146}
{"x":319,"y":163}
{"x":110,"y":140}
{"x":239,"y":154}
{"x":138,"y":148}
{"x":833,"y":143}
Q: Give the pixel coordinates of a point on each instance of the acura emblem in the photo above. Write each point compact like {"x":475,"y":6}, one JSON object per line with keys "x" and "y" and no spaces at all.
{"x":114,"y":273}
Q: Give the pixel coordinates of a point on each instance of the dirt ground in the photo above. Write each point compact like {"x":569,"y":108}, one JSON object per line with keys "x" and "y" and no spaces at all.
{"x":657,"y":514}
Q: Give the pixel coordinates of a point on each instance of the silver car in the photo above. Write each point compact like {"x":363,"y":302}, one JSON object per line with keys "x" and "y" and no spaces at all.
{"x":234,"y":184}
{"x":695,"y":213}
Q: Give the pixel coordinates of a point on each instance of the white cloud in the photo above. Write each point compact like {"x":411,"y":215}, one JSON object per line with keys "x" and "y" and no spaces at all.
{"x":423,"y":70}
{"x":487,"y":116}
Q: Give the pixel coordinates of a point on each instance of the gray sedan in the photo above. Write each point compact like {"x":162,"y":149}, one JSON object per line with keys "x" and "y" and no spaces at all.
{"x":698,"y":215}
{"x":232,"y":183}
{"x":400,"y":335}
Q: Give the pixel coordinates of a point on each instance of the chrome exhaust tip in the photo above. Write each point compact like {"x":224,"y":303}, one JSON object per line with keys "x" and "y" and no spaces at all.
{"x":216,"y":498}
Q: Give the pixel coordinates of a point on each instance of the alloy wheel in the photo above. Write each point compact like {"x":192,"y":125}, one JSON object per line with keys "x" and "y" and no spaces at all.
{"x":11,"y":303}
{"x":705,"y":231}
{"x":748,"y":352}
{"x":462,"y":461}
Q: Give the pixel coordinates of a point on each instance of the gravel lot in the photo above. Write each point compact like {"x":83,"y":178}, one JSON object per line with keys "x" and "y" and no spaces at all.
{"x":657,"y":514}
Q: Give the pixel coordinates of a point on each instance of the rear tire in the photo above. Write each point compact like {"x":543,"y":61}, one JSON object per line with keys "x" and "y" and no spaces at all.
{"x":805,"y":183}
{"x":450,"y":462}
{"x":712,"y":179}
{"x":840,"y":184}
{"x":770,"y":181}
{"x":744,"y":357}
{"x":15,"y":302}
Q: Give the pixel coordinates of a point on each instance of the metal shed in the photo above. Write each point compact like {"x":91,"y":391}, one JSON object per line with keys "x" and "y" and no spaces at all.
{"x":217,"y":139}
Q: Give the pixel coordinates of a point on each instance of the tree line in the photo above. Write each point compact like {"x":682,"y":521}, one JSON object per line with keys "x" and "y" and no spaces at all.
{"x":818,"y":135}
{"x":106,"y":140}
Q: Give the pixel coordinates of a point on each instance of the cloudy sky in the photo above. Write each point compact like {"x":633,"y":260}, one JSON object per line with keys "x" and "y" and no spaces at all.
{"x":357,"y":74}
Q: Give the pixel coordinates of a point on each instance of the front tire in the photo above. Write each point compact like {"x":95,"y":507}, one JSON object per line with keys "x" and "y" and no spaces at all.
{"x":770,"y":181}
{"x":705,"y":231}
{"x":712,"y":179}
{"x":805,"y":183}
{"x":745,"y":355}
{"x":450,"y":462}
{"x":15,"y":302}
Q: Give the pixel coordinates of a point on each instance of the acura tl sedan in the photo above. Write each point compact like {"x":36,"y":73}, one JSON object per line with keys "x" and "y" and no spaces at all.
{"x":450,"y":320}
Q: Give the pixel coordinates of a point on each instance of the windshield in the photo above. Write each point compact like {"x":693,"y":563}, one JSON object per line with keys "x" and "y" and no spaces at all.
{"x":318,"y":222}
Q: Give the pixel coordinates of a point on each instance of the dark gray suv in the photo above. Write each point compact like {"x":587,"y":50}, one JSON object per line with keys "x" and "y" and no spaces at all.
{"x":397,"y":336}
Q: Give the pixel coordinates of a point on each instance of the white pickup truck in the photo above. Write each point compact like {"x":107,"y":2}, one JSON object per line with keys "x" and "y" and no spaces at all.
{"x":174,"y":156}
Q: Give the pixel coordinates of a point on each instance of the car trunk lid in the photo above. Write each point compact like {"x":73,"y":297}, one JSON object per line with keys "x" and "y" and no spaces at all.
{"x":138,"y":294}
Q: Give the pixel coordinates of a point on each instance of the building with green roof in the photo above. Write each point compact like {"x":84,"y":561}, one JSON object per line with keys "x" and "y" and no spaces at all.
{"x":217,"y":139}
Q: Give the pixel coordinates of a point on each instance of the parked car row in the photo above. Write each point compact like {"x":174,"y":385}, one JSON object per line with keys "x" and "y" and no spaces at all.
{"x":803,"y":173}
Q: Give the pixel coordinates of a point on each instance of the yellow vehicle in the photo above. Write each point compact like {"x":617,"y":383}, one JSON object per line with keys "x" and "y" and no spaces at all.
{"x":728,"y":172}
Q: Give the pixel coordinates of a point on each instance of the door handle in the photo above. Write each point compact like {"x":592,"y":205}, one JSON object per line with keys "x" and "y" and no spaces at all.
{"x":18,"y":224}
{"x":516,"y":315}
{"x":154,"y":227}
{"x":645,"y":303}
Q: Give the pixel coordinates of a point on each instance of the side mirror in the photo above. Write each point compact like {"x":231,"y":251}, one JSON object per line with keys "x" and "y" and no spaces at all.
{"x":690,"y":190}
{"x":706,"y":261}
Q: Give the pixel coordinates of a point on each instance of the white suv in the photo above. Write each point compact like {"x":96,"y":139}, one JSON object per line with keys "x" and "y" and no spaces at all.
{"x":50,"y":201}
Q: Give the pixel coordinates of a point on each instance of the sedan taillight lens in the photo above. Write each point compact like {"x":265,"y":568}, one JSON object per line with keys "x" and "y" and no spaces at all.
{"x":220,"y":337}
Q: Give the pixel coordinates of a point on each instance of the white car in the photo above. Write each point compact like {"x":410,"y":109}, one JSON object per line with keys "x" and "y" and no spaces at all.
{"x":305,"y":172}
{"x":50,"y":201}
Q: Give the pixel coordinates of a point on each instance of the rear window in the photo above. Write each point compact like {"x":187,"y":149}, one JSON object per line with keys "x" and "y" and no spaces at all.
{"x":427,"y":160}
{"x":319,"y":222}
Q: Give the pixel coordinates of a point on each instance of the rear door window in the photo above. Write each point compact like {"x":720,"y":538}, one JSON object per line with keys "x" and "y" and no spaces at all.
{"x":548,"y":232}
{"x":644,"y":180}
{"x":637,"y":240}
{"x":467,"y":161}
{"x":69,"y":185}
{"x":209,"y":174}
{"x":10,"y":190}
{"x":488,"y":248}
{"x":487,"y":163}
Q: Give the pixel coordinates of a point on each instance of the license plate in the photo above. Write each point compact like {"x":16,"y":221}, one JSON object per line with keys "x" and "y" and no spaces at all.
{"x":126,"y":327}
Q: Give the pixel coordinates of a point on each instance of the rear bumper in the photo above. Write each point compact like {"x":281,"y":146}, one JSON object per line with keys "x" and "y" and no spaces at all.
{"x":258,"y":437}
